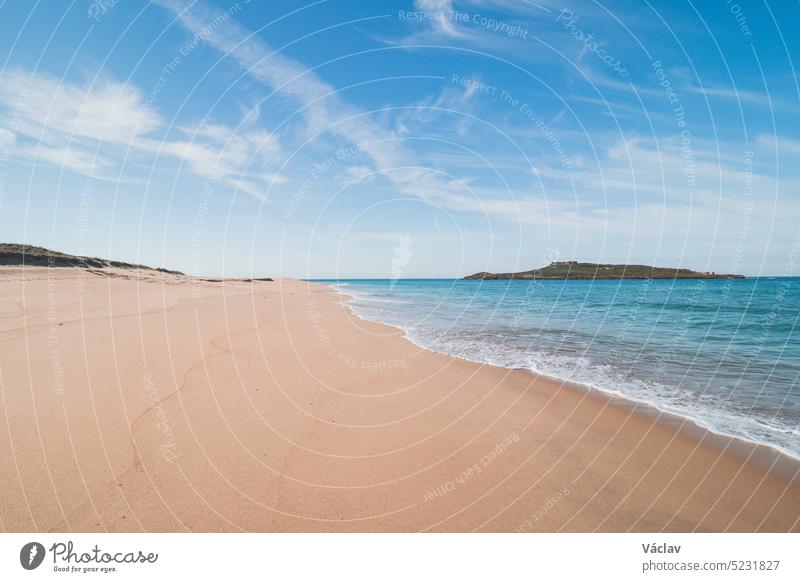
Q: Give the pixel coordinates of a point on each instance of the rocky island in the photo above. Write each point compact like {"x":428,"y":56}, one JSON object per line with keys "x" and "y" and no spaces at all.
{"x":574,"y":270}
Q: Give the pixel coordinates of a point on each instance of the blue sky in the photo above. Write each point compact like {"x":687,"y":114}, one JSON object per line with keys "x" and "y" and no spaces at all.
{"x":412,"y":139}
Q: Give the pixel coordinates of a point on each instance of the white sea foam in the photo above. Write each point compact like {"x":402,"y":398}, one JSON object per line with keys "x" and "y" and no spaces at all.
{"x":575,"y":366}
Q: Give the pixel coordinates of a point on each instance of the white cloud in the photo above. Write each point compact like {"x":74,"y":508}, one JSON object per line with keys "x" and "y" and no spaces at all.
{"x":320,"y":104}
{"x":759,"y":98}
{"x":441,"y":11}
{"x":433,"y":111}
{"x":250,"y":115}
{"x":73,"y":158}
{"x":104,"y":110}
{"x":361,"y":173}
{"x":228,"y":151}
{"x":7,"y":137}
{"x":83,"y":127}
{"x":251,"y":188}
{"x":783,"y":144}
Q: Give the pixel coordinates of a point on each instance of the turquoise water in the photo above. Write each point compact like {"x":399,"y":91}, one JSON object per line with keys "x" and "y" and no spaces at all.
{"x":725,"y":353}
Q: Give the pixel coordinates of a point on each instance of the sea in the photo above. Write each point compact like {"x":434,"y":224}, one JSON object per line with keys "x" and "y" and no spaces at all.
{"x":724,"y":353}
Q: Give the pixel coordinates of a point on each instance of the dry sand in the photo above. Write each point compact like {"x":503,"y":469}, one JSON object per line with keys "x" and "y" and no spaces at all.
{"x":146,"y":401}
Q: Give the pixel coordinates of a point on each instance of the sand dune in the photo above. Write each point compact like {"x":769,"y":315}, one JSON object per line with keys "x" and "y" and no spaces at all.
{"x":153,"y":401}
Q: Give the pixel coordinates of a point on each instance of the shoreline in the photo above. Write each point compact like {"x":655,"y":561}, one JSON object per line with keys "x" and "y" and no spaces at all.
{"x":175,"y":404}
{"x":654,"y":408}
{"x":764,"y":455}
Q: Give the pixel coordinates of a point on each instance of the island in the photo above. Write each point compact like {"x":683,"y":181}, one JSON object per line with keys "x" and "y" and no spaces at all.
{"x":574,"y":270}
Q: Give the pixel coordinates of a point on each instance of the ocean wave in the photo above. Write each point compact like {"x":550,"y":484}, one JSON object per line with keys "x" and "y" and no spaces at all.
{"x":569,"y":358}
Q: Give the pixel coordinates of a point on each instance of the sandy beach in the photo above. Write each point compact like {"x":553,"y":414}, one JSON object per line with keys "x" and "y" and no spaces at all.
{"x":146,"y":401}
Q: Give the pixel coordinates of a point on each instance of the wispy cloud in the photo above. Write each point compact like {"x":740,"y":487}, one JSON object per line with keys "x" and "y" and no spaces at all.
{"x":498,"y":25}
{"x":105,"y":110}
{"x":759,"y":98}
{"x":452,"y":99}
{"x":360,"y":173}
{"x":7,"y":139}
{"x":319,"y":102}
{"x":440,"y":20}
{"x":646,"y":183}
{"x":85,"y":128}
{"x":785,"y":145}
